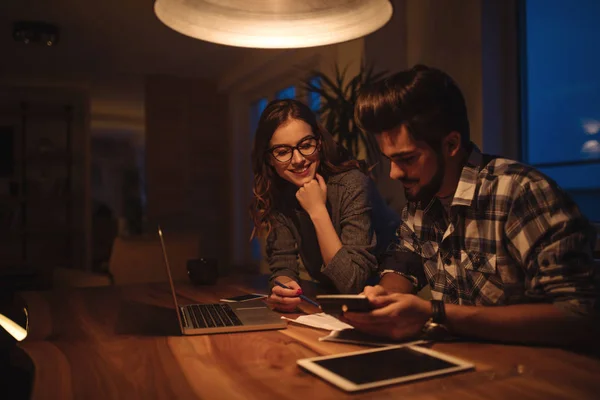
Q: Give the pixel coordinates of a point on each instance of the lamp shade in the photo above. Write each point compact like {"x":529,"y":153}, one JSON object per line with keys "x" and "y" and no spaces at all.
{"x":274,"y":24}
{"x":14,"y":329}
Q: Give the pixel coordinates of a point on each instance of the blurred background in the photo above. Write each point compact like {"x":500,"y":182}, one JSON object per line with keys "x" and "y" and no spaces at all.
{"x":122,"y":123}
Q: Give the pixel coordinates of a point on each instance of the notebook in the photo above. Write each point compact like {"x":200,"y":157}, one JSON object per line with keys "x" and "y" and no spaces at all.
{"x":200,"y":319}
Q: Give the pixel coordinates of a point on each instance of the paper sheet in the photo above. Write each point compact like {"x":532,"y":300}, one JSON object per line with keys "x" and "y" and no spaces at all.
{"x":321,"y":321}
{"x":355,"y":337}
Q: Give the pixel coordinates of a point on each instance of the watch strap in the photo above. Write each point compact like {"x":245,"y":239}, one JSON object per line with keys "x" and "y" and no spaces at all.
{"x":438,"y":312}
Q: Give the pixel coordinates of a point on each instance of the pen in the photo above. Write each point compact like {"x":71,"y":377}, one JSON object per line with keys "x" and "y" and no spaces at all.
{"x":303,"y":297}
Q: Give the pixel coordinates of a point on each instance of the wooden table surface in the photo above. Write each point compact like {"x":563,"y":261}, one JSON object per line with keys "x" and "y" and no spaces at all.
{"x":123,"y":342}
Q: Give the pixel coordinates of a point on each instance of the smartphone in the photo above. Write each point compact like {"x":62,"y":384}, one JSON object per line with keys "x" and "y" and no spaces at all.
{"x":244,"y":297}
{"x":341,"y":303}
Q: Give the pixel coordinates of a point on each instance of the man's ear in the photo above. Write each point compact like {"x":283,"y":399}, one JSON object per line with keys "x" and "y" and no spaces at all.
{"x":452,"y":143}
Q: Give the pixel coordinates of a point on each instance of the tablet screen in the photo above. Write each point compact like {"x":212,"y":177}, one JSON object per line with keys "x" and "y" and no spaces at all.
{"x":383,"y":365}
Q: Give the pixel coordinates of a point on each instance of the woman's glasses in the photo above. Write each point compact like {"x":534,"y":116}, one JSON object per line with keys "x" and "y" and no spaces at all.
{"x":284,"y":153}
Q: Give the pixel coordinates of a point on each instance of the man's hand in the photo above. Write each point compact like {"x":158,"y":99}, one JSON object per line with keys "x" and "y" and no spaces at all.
{"x":313,"y":195}
{"x":373,"y":291}
{"x":396,"y":316}
{"x":285,"y":299}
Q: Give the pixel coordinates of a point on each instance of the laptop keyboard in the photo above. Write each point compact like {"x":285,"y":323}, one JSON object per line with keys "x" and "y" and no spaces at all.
{"x":211,"y":316}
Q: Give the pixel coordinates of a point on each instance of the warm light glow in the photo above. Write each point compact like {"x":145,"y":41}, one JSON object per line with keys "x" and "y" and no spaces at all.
{"x":14,"y":329}
{"x":274,"y":23}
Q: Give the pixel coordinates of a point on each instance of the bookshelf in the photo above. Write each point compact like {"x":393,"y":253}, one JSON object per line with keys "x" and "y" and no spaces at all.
{"x":43,"y":195}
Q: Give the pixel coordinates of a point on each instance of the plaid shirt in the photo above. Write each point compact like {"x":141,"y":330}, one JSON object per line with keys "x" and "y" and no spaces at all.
{"x":512,"y":236}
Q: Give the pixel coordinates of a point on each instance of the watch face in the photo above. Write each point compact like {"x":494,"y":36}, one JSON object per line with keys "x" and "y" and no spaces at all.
{"x":434,"y":331}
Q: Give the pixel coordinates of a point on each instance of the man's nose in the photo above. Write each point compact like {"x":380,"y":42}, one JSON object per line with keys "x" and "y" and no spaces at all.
{"x":396,"y":172}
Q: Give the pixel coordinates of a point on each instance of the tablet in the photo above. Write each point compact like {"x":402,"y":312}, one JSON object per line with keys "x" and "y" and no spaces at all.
{"x":372,"y":368}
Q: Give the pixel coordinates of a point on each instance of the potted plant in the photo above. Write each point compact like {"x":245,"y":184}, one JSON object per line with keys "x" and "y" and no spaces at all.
{"x":338,"y":96}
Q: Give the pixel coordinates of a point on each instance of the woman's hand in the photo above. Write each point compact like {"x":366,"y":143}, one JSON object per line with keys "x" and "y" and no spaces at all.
{"x":285,"y":299}
{"x":313,"y":195}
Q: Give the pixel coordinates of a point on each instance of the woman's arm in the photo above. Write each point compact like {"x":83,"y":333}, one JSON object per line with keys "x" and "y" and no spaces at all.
{"x":329,"y":242}
{"x":312,"y":197}
{"x":282,"y":258}
{"x":348,"y":259}
{"x":282,"y":252}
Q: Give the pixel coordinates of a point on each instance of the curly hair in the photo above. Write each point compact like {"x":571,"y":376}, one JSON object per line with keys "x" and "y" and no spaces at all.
{"x":268,"y":186}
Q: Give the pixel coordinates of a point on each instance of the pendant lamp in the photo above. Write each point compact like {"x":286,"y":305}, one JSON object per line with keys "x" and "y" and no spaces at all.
{"x":274,"y":24}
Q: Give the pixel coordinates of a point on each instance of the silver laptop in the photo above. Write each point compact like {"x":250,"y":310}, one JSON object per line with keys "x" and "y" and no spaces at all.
{"x":200,"y":319}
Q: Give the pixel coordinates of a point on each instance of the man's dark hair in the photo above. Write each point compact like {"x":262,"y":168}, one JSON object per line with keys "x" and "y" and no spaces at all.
{"x":426,"y":100}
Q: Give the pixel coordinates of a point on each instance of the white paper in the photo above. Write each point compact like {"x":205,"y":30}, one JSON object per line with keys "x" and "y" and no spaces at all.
{"x":321,"y":321}
{"x":356,"y":337}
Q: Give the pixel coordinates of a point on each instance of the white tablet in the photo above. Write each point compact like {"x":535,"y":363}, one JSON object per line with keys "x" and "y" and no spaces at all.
{"x":372,"y":368}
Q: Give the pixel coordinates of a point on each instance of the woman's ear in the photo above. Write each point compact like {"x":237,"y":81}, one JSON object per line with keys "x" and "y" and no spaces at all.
{"x":319,"y":144}
{"x":271,"y":168}
{"x":452,"y":143}
{"x":269,"y":160}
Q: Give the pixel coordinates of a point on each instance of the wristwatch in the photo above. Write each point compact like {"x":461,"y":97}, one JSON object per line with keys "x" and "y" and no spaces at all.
{"x":434,"y":328}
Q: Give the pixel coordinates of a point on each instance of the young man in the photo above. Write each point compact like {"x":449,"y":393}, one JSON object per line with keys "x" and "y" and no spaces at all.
{"x":481,"y":231}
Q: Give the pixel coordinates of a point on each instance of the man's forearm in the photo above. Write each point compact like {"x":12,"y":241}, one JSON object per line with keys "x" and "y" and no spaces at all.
{"x":394,"y":283}
{"x":523,"y":323}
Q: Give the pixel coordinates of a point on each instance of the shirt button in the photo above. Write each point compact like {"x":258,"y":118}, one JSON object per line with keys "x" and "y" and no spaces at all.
{"x":447,"y":261}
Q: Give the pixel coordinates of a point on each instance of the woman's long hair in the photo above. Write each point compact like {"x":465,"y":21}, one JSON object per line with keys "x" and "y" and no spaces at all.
{"x":268,"y":186}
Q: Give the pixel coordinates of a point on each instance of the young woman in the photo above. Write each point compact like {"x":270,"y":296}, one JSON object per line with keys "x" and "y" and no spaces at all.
{"x":313,"y":202}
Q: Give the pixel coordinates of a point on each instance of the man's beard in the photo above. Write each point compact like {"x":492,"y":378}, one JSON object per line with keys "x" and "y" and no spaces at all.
{"x":426,"y":193}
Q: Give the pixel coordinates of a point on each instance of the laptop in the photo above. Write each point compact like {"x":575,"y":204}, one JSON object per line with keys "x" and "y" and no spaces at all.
{"x":200,"y":319}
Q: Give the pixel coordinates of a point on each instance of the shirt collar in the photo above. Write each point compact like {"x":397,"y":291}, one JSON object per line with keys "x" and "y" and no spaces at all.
{"x":465,"y":191}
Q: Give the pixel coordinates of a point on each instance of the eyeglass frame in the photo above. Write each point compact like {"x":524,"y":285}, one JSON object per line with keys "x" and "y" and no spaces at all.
{"x":294,"y":148}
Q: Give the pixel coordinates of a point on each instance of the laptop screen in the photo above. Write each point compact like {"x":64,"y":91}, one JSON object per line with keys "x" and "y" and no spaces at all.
{"x":164,"y":251}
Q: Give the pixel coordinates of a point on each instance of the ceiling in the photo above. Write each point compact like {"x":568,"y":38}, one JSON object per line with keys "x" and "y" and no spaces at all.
{"x":108,"y":37}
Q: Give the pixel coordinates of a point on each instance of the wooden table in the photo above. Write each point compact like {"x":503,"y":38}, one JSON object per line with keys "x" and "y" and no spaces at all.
{"x":122,"y":342}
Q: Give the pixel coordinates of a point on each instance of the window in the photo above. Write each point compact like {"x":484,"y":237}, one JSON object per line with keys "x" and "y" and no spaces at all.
{"x":256,"y":110}
{"x":314,"y":99}
{"x":286,"y":93}
{"x":561,"y":96}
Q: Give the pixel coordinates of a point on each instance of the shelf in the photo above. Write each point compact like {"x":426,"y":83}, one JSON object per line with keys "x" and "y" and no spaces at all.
{"x":42,"y":224}
{"x":60,"y":156}
{"x":58,"y":114}
{"x":8,"y":200}
{"x":38,"y":200}
{"x":17,"y":233}
{"x":19,"y":267}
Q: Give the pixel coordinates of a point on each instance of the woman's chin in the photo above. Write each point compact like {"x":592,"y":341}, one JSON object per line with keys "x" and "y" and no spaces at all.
{"x":301,"y":180}
{"x":307,"y":179}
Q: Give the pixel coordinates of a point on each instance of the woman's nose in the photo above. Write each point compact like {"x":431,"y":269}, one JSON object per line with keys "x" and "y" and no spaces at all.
{"x":297,"y":158}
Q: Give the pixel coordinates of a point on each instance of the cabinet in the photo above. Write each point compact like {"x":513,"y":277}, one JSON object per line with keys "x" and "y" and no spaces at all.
{"x":43,"y":186}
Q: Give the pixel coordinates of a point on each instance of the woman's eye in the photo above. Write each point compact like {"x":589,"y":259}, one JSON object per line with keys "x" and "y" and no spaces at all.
{"x":282,"y":152}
